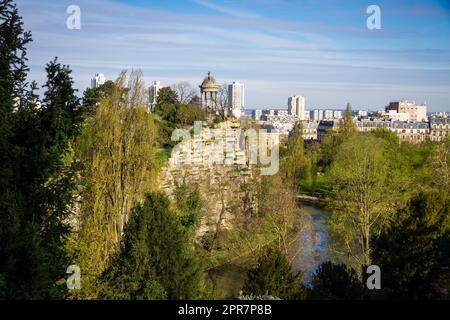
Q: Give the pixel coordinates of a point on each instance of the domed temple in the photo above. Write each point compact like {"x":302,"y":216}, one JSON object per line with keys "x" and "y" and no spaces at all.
{"x":209,"y":90}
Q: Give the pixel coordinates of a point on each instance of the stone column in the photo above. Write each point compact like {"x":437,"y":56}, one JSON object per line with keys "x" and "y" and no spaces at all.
{"x":204,"y":100}
{"x":216,"y":100}
{"x":211,"y":104}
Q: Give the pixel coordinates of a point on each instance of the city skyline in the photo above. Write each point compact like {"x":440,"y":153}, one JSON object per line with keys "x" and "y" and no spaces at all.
{"x":277,"y":49}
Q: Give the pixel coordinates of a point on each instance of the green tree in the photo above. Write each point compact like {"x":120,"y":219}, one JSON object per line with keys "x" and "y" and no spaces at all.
{"x":328,"y":149}
{"x":439,"y":166}
{"x":187,"y":114}
{"x":117,"y":151}
{"x":189,"y":203}
{"x":36,"y":176}
{"x":364,"y":193}
{"x":92,"y":96}
{"x":274,"y":223}
{"x":333,"y":139}
{"x":156,"y":259}
{"x":166,"y":104}
{"x":273,"y":276}
{"x":277,"y":219}
{"x":336,"y":281}
{"x":407,"y":161}
{"x":347,"y":126}
{"x":414,"y":252}
{"x":297,"y":165}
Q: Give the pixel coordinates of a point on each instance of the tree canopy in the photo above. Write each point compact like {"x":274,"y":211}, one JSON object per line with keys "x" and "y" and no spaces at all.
{"x":156,"y":259}
{"x":273,"y":276}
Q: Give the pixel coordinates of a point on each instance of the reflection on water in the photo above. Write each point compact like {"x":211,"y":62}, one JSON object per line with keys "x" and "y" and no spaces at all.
{"x":228,"y":279}
{"x":311,"y":249}
{"x":313,"y":243}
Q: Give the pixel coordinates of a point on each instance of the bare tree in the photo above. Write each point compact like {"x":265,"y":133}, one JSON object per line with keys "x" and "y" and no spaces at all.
{"x":195,"y":101}
{"x":184,"y":91}
{"x":222,"y":100}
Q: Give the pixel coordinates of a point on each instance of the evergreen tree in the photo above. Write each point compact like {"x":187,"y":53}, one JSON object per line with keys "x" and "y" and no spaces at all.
{"x":166,"y":104}
{"x":13,"y":54}
{"x":61,"y":110}
{"x":336,"y":281}
{"x":414,"y":252}
{"x":273,"y":276}
{"x":92,"y":96}
{"x":36,"y":177}
{"x":156,"y":259}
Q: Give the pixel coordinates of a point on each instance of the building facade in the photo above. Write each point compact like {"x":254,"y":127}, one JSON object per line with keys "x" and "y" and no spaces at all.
{"x":366,"y":125}
{"x":236,"y":96}
{"x":439,"y":127}
{"x":280,"y":121}
{"x":316,"y":115}
{"x":407,"y":131}
{"x":413,"y":132}
{"x":398,"y":116}
{"x":415,"y":112}
{"x":328,"y":115}
{"x":256,"y":114}
{"x":337,"y":114}
{"x":309,"y":130}
{"x":98,"y":80}
{"x":324,"y":126}
{"x":296,"y":106}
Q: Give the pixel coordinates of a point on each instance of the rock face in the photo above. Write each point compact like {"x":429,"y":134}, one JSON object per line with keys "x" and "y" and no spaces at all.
{"x":227,"y":193}
{"x":215,"y":159}
{"x":222,"y":160}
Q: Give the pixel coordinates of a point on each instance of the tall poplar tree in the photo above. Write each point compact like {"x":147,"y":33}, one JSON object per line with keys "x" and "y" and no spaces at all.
{"x":296,"y":164}
{"x":347,"y":127}
{"x":117,"y":151}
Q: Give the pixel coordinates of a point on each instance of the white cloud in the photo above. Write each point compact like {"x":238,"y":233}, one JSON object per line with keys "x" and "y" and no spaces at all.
{"x":226,"y":10}
{"x":274,"y":58}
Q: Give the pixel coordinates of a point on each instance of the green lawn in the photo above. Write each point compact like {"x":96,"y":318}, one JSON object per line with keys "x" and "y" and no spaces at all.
{"x":315,"y":188}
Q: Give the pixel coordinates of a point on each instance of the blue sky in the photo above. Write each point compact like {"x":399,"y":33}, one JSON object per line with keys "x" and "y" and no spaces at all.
{"x":319,"y":49}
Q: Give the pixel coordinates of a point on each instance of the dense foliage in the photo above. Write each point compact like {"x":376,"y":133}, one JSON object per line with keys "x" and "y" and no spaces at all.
{"x":273,"y":276}
{"x":36,"y":168}
{"x":336,"y":281}
{"x":156,"y":259}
